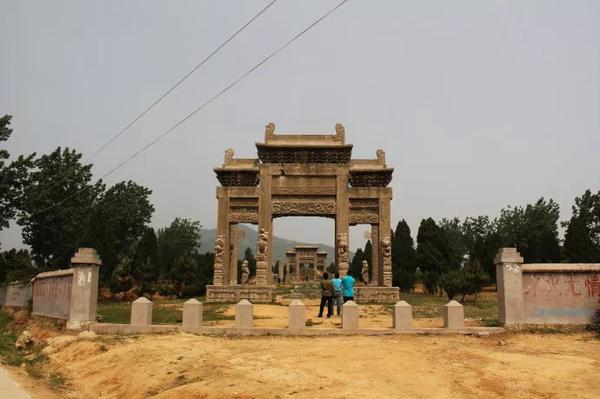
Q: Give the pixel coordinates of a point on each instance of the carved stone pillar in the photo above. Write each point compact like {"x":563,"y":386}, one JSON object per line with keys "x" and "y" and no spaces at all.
{"x":220,"y":275}
{"x":233,"y":246}
{"x":342,"y":220}
{"x":385,"y":261}
{"x":375,"y":258}
{"x":265,"y":223}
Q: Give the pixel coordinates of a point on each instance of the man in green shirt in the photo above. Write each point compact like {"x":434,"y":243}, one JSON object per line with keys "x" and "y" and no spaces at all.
{"x":326,"y":295}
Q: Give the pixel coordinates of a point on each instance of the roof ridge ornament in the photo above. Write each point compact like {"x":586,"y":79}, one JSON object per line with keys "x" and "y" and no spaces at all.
{"x":228,"y":158}
{"x":269,"y":131}
{"x":380,"y":156}
{"x":340,"y":133}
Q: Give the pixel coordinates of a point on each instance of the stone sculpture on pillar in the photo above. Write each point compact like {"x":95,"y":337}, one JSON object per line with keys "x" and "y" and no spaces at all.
{"x":245,"y":273}
{"x":261,"y":259}
{"x":219,"y":260}
{"x":386,"y":247}
{"x":342,"y":252}
{"x":365,"y":272}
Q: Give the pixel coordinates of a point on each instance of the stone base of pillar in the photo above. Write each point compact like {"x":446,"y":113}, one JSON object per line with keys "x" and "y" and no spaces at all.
{"x":261,"y":273}
{"x":372,"y":294}
{"x":235,"y":293}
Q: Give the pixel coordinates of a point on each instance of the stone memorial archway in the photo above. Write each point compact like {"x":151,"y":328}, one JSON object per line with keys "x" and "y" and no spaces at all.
{"x":301,"y":175}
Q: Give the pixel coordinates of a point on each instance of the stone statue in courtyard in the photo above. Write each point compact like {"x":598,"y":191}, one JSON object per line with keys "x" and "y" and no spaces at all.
{"x":245,"y":273}
{"x":365,"y":272}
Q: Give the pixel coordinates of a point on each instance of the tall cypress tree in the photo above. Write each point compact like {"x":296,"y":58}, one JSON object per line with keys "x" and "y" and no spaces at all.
{"x":434,"y":255}
{"x":403,"y":257}
{"x":582,"y":238}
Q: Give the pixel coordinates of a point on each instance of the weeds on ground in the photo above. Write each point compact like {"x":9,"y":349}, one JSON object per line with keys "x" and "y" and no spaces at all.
{"x":11,"y":355}
{"x":57,"y":381}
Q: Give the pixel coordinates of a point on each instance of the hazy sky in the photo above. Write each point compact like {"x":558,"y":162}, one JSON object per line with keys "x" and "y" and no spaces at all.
{"x":478,"y":104}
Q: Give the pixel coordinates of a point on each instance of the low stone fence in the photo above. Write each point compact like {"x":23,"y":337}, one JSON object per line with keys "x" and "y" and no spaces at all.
{"x":70,"y":294}
{"x":192,"y":321}
{"x":545,"y":293}
{"x":16,"y":295}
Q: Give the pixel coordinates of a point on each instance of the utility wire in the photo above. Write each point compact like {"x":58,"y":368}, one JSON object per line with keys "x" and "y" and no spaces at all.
{"x":198,"y":109}
{"x":165,"y":94}
{"x":159,"y":99}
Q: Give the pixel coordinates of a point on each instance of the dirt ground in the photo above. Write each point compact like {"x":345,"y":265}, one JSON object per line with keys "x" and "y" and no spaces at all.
{"x":190,"y":366}
{"x":371,"y":316}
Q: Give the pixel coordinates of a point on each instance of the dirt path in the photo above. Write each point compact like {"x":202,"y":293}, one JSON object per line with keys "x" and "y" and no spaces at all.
{"x":189,"y":366}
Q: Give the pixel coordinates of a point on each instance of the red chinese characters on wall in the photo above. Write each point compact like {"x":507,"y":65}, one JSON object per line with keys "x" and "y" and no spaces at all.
{"x":592,"y":283}
{"x":563,"y":285}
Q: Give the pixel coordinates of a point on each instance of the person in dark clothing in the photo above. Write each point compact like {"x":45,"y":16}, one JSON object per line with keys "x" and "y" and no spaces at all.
{"x":326,"y":295}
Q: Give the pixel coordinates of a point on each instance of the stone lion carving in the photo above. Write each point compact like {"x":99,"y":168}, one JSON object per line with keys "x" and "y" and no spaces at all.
{"x":342,"y":247}
{"x":340,"y":132}
{"x":386,"y":246}
{"x":365,"y":272}
{"x":219,"y":245}
{"x":245,"y":272}
{"x":228,"y":156}
{"x":269,"y":131}
{"x":380,"y":156}
{"x":262,"y":244}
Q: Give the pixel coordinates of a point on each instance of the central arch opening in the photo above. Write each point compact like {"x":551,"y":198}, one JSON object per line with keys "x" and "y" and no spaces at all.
{"x":303,"y":248}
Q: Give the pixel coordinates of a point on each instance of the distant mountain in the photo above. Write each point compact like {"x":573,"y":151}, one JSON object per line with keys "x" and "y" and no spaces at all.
{"x":280,"y":245}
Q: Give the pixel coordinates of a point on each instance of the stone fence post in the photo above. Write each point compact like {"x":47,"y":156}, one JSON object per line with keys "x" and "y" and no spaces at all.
{"x":509,"y":282}
{"x":84,"y":291}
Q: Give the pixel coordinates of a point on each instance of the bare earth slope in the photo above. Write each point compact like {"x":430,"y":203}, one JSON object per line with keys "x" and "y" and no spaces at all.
{"x":189,"y":366}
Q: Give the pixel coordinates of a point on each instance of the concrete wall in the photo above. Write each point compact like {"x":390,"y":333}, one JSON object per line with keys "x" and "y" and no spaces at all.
{"x":561,"y":293}
{"x":52,"y":294}
{"x":545,"y":293}
{"x":15,"y":294}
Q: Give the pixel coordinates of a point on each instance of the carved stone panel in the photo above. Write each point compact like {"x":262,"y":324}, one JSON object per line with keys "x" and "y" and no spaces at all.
{"x":303,"y":208}
{"x":364,"y":216}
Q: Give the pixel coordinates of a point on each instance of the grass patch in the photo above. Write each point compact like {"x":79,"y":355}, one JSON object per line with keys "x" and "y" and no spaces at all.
{"x":57,"y":381}
{"x":163,"y":312}
{"x":430,"y":306}
{"x":11,"y":355}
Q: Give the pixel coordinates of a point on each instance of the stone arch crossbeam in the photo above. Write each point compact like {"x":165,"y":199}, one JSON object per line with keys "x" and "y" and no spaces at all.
{"x":301,"y":175}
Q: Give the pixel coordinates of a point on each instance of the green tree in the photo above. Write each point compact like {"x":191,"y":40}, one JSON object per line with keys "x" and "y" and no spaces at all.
{"x":119,"y":218}
{"x":482,"y":241}
{"x":56,"y":207}
{"x":356,"y":264}
{"x":13,"y":177}
{"x":533,"y":229}
{"x":453,"y":231}
{"x":434,"y":255}
{"x":181,"y":238}
{"x":144,"y":267}
{"x":582,"y":238}
{"x":16,"y":265}
{"x":403,"y":258}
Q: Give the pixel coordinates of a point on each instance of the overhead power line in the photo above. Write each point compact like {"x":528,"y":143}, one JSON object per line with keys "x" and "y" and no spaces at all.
{"x":180,"y":81}
{"x":173,"y":87}
{"x":202,"y":106}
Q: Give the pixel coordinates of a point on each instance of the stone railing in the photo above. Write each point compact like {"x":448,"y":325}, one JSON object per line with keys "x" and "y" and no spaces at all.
{"x":545,"y":293}
{"x":15,"y":295}
{"x":70,"y":294}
